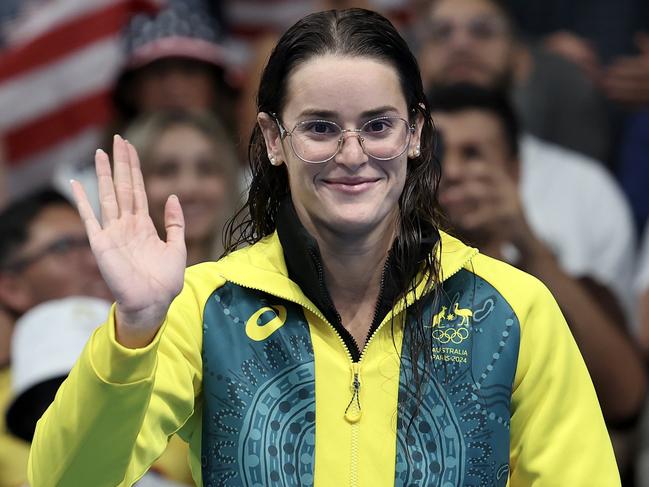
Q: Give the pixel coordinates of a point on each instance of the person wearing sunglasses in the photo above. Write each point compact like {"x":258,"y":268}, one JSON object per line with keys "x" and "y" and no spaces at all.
{"x":350,"y":341}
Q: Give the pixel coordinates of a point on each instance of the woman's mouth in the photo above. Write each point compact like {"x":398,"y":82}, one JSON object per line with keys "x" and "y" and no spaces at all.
{"x":351,"y":185}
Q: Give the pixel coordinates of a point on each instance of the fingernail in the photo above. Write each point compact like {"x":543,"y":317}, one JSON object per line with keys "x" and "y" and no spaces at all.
{"x":117,"y":137}
{"x":99,"y":151}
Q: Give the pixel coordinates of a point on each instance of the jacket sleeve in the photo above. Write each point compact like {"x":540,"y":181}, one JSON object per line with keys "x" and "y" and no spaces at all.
{"x":558,"y":435}
{"x":113,"y":415}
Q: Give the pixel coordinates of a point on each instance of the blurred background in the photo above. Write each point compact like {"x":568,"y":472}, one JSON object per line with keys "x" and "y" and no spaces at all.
{"x":543,"y":102}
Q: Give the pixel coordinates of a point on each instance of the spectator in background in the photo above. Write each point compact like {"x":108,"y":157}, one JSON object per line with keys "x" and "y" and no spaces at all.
{"x":475,"y":41}
{"x":192,"y":156}
{"x":44,"y":253}
{"x":548,"y":237}
{"x":182,"y":59}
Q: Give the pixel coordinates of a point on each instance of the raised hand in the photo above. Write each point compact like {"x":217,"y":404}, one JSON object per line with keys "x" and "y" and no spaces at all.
{"x":143,"y":272}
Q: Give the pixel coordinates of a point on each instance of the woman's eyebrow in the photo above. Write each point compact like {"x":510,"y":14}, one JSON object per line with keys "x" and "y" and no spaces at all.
{"x":330,"y":114}
{"x":318,"y":113}
{"x":375,"y":112}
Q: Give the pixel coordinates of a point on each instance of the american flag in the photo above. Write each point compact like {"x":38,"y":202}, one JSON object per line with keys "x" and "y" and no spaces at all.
{"x":58,"y":62}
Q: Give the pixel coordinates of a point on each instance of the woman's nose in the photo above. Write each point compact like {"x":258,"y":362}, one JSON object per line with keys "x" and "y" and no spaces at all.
{"x":351,"y":151}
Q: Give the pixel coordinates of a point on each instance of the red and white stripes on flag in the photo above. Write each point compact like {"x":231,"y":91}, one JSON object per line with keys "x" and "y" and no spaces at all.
{"x":55,"y":81}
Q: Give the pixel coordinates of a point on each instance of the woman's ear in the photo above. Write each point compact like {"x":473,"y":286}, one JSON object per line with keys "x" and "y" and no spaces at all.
{"x":414,"y":148}
{"x":272,"y":137}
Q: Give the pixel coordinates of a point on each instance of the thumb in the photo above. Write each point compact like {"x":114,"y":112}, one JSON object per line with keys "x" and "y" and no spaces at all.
{"x":174,"y":222}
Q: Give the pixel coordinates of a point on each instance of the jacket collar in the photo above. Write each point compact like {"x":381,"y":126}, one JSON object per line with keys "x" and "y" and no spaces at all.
{"x":263,"y":266}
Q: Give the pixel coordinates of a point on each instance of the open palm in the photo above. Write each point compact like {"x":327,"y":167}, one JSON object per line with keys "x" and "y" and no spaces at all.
{"x":143,"y":272}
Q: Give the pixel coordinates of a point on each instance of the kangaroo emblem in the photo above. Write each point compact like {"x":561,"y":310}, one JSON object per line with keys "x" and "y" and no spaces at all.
{"x":437,"y":319}
{"x":465,"y":313}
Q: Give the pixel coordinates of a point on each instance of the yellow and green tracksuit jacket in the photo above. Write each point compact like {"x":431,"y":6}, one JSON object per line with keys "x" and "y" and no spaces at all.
{"x":250,"y":372}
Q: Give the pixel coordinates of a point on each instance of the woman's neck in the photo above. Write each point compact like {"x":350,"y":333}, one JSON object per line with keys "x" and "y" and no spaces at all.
{"x":353,"y":266}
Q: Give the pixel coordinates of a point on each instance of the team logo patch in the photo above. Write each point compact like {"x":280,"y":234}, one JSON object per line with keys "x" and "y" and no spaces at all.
{"x":258,"y":331}
{"x":452,"y":326}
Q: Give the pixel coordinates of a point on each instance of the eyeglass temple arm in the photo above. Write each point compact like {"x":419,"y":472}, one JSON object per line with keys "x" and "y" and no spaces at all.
{"x":282,"y":131}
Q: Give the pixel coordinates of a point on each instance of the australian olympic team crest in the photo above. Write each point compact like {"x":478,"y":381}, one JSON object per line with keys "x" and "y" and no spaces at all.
{"x":452,"y":324}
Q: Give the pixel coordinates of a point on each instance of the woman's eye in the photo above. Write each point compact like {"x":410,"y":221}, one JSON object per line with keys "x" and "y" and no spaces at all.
{"x":377,"y":126}
{"x":319,"y":128}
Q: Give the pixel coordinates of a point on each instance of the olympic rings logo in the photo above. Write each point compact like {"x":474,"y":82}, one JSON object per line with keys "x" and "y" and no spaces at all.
{"x":453,"y":335}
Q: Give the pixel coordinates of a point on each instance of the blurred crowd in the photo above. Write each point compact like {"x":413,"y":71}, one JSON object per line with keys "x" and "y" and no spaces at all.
{"x":542,"y":116}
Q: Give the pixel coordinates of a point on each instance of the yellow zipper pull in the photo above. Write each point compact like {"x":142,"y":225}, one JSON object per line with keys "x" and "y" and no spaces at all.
{"x":353,"y":410}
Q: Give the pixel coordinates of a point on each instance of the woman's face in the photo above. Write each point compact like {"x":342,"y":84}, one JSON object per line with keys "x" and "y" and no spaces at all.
{"x":353,"y":194}
{"x":185,"y":162}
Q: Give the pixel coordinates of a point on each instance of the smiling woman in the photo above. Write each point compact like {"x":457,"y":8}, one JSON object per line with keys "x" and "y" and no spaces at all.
{"x":323,"y":352}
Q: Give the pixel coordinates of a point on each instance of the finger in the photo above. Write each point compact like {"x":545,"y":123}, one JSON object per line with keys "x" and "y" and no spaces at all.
{"x":85,"y":209}
{"x":107,"y":200}
{"x":123,"y":183}
{"x":140,"y":204}
{"x":175,"y":223}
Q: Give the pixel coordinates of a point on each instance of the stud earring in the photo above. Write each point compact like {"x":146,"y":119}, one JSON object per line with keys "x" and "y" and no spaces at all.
{"x":272,"y":159}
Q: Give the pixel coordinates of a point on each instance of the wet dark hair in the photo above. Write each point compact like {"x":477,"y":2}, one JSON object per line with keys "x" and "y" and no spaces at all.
{"x":464,"y":96}
{"x":353,"y":33}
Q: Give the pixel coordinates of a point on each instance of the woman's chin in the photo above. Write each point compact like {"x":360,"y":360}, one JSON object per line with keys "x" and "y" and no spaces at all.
{"x":356,"y":222}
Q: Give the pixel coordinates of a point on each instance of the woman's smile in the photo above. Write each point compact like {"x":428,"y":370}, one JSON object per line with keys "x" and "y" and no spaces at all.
{"x":351,"y":185}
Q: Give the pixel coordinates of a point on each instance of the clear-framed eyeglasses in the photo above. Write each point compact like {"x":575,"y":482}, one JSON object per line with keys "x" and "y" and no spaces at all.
{"x":319,"y":141}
